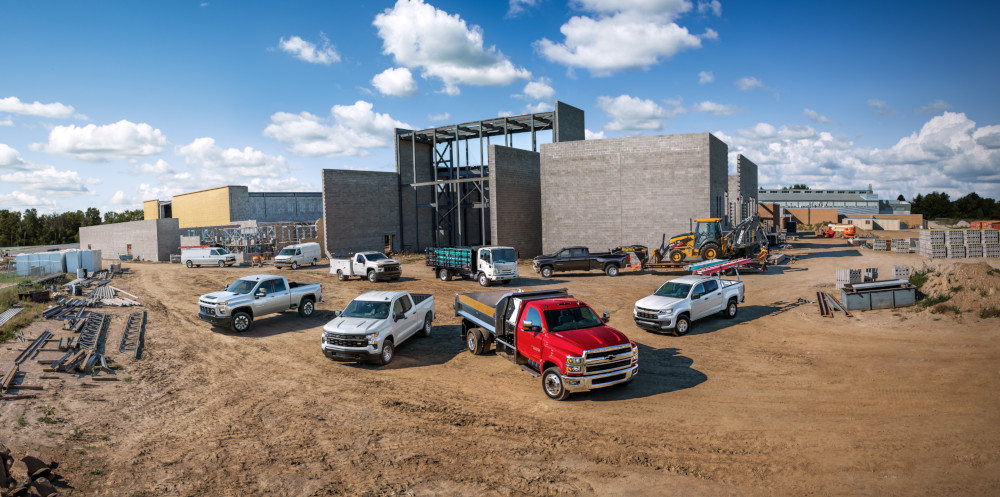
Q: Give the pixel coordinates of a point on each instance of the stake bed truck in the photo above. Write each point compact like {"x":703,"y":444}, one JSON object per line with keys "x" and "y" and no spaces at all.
{"x":251,"y":297}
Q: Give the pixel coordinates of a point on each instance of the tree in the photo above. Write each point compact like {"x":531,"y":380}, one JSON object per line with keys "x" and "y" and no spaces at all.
{"x":933,"y":205}
{"x":901,"y":198}
{"x":10,"y":227}
{"x":124,"y":216}
{"x":92,"y":217}
{"x":796,"y":186}
{"x":31,"y":228}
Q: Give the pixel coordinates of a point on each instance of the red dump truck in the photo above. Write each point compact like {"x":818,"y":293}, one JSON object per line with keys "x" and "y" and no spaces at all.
{"x":551,"y":335}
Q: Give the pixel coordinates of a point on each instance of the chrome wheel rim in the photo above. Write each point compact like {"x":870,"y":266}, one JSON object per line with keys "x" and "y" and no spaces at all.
{"x":732,"y":310}
{"x":242,"y":322}
{"x":682,"y":327}
{"x":427,"y":326}
{"x":553,"y":384}
{"x":386,"y":352}
{"x":471,"y":342}
{"x":307,"y":308}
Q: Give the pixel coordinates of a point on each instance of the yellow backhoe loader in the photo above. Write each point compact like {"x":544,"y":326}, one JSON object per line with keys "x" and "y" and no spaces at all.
{"x":707,"y":242}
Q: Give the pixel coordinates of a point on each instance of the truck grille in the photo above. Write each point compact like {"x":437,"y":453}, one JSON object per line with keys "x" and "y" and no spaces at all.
{"x":207,"y":310}
{"x":607,"y":359}
{"x":646,"y":313}
{"x":391,"y":268}
{"x":346,"y":340}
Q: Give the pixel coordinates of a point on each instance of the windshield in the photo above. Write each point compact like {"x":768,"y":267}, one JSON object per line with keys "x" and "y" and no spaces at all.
{"x":675,"y":290}
{"x":366,"y":309}
{"x":375,"y":257}
{"x":287,"y":251}
{"x":576,"y":318}
{"x":222,"y":251}
{"x":504,"y":255}
{"x":242,"y":286}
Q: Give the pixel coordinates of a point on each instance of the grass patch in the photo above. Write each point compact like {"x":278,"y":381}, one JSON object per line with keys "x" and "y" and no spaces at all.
{"x":983,"y":292}
{"x":21,"y":421}
{"x":77,"y":433}
{"x":127,"y":379}
{"x":80,"y":452}
{"x":934,"y":300}
{"x":47,"y":412}
{"x":991,"y":312}
{"x":919,"y":277}
{"x":97,"y":472}
{"x":945,"y":308}
{"x":956,"y":289}
{"x":993,"y":271}
{"x":8,"y":296}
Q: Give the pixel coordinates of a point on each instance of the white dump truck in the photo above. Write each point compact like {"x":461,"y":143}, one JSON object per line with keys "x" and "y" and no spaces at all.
{"x":375,"y":323}
{"x":681,"y":301}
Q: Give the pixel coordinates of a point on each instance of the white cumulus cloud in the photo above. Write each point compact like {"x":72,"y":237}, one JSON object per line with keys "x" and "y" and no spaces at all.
{"x":120,"y":140}
{"x":816,"y":117}
{"x":538,"y":107}
{"x":395,"y":81}
{"x":308,"y":51}
{"x":713,"y":6}
{"x":350,"y":130}
{"x":749,"y":83}
{"x":590,"y":135}
{"x":715,"y":108}
{"x":14,"y":105}
{"x":6,"y":122}
{"x":233,"y":163}
{"x":280,"y":185}
{"x":518,"y":7}
{"x":539,"y":90}
{"x":630,"y":113}
{"x":439,"y":117}
{"x":18,"y":201}
{"x":159,"y":167}
{"x":705,"y":77}
{"x":935,"y":107}
{"x":50,"y":182}
{"x":10,"y":159}
{"x":443,"y":46}
{"x":881,"y":108}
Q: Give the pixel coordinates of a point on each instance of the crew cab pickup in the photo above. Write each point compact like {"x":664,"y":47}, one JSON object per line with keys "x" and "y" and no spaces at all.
{"x":251,"y":297}
{"x":549,"y":334}
{"x":375,"y":323}
{"x":681,"y":301}
{"x":580,"y":259}
{"x":372,"y":265}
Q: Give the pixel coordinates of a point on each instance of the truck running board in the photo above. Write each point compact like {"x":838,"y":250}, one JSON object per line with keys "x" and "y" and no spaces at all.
{"x":530,"y":371}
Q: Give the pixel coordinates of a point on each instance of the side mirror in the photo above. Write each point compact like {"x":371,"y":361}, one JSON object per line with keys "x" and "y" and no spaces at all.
{"x":695,"y":296}
{"x":337,"y":314}
{"x":398,"y":316}
{"x":530,"y":327}
{"x":606,"y":316}
{"x":260,"y":293}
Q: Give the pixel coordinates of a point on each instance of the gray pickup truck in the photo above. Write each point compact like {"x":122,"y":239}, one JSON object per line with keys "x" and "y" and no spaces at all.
{"x":252,"y":297}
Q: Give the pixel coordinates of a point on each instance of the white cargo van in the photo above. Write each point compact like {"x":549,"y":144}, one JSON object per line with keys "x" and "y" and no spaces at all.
{"x":298,"y":255}
{"x":196,"y":256}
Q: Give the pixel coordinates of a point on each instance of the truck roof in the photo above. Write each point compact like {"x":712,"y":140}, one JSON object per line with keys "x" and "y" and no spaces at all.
{"x":380,"y":295}
{"x":258,"y":277}
{"x":557,"y":303}
{"x":693,"y":279}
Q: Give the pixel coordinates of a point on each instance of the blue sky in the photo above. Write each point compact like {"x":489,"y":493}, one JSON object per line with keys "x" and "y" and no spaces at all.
{"x":108,"y":104}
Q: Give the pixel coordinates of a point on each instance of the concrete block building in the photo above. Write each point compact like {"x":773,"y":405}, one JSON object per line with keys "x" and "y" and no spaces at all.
{"x":148,"y":240}
{"x":227,"y":205}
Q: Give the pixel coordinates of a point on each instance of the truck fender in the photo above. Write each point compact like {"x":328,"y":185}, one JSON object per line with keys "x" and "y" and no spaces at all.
{"x":246,"y":309}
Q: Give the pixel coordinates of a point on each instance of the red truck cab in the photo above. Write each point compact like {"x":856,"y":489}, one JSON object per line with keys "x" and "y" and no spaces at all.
{"x":550,"y":334}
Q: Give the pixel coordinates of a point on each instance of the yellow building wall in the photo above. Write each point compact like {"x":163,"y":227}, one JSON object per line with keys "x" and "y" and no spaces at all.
{"x":204,"y":208}
{"x":151,"y":209}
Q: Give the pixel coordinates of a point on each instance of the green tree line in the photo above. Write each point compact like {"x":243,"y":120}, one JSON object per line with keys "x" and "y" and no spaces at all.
{"x":29,"y":228}
{"x":936,"y":205}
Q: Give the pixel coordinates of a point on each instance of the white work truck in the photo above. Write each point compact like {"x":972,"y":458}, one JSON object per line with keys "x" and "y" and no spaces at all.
{"x":252,"y":297}
{"x":375,"y":323}
{"x":681,"y":301}
{"x":372,"y":265}
{"x":301,"y":254}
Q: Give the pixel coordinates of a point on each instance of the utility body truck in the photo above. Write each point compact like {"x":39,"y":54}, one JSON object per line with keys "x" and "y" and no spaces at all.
{"x":681,"y":301}
{"x":375,"y":323}
{"x":549,"y":334}
{"x":252,"y":297}
{"x":297,"y":255}
{"x":580,"y":259}
{"x":372,"y":265}
{"x":485,"y":264}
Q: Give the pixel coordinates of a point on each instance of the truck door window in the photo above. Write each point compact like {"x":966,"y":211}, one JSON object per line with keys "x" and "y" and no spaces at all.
{"x":711,"y":286}
{"x":298,"y":252}
{"x":484,"y":256}
{"x":277,"y":285}
{"x":699,"y":290}
{"x":397,"y":307}
{"x":563,"y":254}
{"x":534,"y":316}
{"x":579,"y":252}
{"x":360,"y":259}
{"x":407,"y":305}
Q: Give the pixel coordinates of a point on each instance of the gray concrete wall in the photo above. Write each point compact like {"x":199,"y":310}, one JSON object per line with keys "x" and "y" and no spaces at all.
{"x":516,"y":199}
{"x":274,"y":207}
{"x":359,"y":209}
{"x":424,"y":195}
{"x":742,"y":190}
{"x":152,"y":240}
{"x":623,"y":191}
{"x":747,"y":171}
{"x":569,"y":125}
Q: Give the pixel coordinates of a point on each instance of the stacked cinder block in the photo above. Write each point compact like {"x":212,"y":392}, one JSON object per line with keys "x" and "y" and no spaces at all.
{"x":991,"y":243}
{"x":933,"y":243}
{"x":871,"y":274}
{"x":974,"y":250}
{"x":879,"y":245}
{"x":956,"y":244}
{"x":900,"y":272}
{"x":956,"y":251}
{"x":848,"y":277}
{"x":901,"y":246}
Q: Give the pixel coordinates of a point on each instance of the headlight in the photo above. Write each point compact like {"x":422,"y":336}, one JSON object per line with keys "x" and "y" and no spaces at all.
{"x":574,"y":360}
{"x":574,"y":369}
{"x":372,"y":338}
{"x":667,"y":312}
{"x":222,"y":304}
{"x":635,"y":353}
{"x":380,"y":269}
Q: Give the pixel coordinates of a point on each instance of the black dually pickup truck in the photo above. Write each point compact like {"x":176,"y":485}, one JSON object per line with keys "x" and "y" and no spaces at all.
{"x":579,"y":259}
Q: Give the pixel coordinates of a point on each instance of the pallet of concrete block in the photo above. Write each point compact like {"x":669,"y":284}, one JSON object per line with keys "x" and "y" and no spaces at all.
{"x":900,"y":272}
{"x":955,"y":237}
{"x":991,"y":250}
{"x":871,"y":274}
{"x":956,"y":251}
{"x":973,"y":237}
{"x":848,"y":277}
{"x":991,"y":236}
{"x":901,"y":246}
{"x":880,"y":245}
{"x":974,"y":250}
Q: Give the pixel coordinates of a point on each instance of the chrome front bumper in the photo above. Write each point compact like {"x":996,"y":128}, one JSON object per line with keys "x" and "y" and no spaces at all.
{"x":593,"y":382}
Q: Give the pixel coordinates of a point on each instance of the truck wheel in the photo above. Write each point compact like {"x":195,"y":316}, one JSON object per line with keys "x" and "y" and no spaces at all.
{"x":444,"y":274}
{"x":709,"y":251}
{"x":475,"y":341}
{"x":611,"y":270}
{"x":372,"y":277}
{"x":189,"y":264}
{"x":241,"y":321}
{"x":483,"y":280}
{"x":730,"y":311}
{"x":547,"y":272}
{"x":295,"y":265}
{"x":425,"y":331}
{"x":553,"y":385}
{"x":315,"y":262}
{"x":222,"y":263}
{"x":307,"y":307}
{"x":387,"y":351}
{"x":676,"y":256}
{"x":682,"y":326}
{"x":341,"y":276}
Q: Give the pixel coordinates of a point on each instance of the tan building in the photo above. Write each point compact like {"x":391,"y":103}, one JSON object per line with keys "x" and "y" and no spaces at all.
{"x":229,"y":204}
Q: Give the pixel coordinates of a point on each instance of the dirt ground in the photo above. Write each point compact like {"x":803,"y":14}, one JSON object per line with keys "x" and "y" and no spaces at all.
{"x":780,"y":401}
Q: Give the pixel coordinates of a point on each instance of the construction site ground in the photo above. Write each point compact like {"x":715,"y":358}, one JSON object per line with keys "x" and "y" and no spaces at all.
{"x":779,"y":401}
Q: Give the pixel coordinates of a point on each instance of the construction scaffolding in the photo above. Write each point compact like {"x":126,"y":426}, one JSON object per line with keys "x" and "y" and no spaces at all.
{"x":462,"y":183}
{"x":264,"y":240}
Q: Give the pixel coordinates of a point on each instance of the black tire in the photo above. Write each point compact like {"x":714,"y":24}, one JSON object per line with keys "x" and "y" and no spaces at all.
{"x":189,"y":264}
{"x":315,"y":262}
{"x":388,"y":352}
{"x":425,"y":331}
{"x":483,"y":280}
{"x":341,"y":276}
{"x":552,"y":384}
{"x":611,"y":270}
{"x":372,"y":277}
{"x":241,"y":321}
{"x":295,"y":265}
{"x":197,"y":265}
{"x":222,"y":263}
{"x":682,"y":326}
{"x":475,"y":342}
{"x":307,"y":307}
{"x":546,"y":271}
{"x":444,"y":274}
{"x":676,"y":255}
{"x":709,"y":251}
{"x":731,"y":308}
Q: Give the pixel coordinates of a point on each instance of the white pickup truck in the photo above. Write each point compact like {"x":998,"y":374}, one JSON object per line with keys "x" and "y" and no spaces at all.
{"x":680,"y":301}
{"x":251,"y":297}
{"x":375,"y":323}
{"x":372,"y":265}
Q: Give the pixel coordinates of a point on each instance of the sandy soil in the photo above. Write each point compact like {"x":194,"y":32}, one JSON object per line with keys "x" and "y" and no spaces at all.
{"x":780,"y":401}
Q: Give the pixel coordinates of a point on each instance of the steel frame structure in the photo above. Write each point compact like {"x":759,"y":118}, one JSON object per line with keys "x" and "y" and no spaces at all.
{"x":463,"y":184}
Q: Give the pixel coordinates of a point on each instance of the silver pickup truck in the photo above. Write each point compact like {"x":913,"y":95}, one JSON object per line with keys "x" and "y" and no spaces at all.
{"x":375,"y":323}
{"x":252,"y":297}
{"x":680,"y":301}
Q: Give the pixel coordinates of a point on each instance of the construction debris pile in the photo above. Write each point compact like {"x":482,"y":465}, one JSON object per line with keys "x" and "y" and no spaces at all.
{"x":38,"y":471}
{"x":958,"y":244}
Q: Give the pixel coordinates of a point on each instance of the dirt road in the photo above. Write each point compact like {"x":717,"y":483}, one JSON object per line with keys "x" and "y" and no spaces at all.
{"x":781,"y":401}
